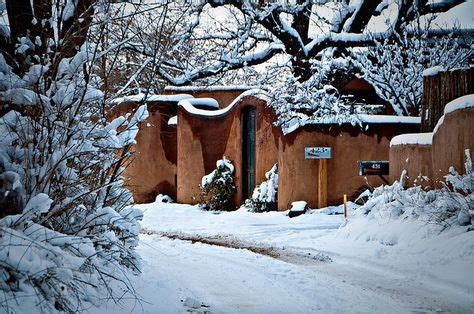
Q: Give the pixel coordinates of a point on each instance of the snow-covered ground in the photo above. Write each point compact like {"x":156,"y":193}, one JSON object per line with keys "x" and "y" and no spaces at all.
{"x":365,"y":266}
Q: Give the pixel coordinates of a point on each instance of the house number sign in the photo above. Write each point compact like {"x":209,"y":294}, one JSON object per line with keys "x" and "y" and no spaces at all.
{"x":317,"y":152}
{"x":370,"y":168}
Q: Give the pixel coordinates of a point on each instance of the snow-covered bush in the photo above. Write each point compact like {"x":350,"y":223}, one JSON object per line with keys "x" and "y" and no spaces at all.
{"x":298,"y":103}
{"x":453,"y":204}
{"x":67,"y":225}
{"x":264,"y":197}
{"x":218,"y":187}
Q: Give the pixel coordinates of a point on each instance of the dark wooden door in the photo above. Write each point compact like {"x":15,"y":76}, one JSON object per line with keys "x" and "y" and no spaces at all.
{"x":248,"y":152}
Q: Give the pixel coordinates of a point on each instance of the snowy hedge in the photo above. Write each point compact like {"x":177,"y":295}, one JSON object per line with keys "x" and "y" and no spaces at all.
{"x":68,"y":227}
{"x":218,"y":187}
{"x":453,"y":204}
{"x":264,"y":197}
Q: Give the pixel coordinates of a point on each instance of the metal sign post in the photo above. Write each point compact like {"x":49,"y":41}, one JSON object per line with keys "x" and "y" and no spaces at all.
{"x":322,"y":154}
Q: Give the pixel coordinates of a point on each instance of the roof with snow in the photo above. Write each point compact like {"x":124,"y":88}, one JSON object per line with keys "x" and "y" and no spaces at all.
{"x":357,"y":119}
{"x":210,"y":88}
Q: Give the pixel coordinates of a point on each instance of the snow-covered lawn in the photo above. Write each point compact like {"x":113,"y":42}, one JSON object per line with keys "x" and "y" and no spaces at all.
{"x":371,"y":266}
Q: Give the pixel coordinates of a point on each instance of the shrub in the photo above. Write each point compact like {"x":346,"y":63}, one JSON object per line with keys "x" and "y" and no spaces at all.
{"x":218,"y":187}
{"x":69,"y":231}
{"x":451,"y":205}
{"x":264,"y":197}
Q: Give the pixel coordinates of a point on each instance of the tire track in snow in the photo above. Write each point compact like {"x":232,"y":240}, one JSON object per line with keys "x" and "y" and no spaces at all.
{"x":288,"y":255}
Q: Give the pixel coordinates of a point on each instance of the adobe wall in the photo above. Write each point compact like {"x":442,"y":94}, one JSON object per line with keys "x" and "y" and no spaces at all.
{"x":152,"y":169}
{"x":267,"y":140}
{"x":223,"y":96}
{"x":298,"y":177}
{"x":202,"y":140}
{"x":415,"y":159}
{"x":453,"y":135}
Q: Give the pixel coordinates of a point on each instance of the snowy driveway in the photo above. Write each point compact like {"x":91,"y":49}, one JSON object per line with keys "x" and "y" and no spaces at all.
{"x":362,"y":276}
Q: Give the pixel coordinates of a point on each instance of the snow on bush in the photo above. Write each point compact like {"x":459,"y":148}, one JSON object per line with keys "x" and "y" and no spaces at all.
{"x":309,"y":102}
{"x":68,"y":227}
{"x":451,"y":205}
{"x":218,"y":187}
{"x":264,"y":197}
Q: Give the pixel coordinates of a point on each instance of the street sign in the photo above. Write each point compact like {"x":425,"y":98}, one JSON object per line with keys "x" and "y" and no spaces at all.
{"x":317,"y":152}
{"x":373,"y":168}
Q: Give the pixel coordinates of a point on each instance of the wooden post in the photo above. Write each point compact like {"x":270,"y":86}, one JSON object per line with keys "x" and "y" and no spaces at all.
{"x":345,"y":206}
{"x":322,"y":183}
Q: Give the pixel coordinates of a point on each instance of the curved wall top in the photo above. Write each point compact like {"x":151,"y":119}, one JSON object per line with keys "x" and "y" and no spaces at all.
{"x":191,"y":109}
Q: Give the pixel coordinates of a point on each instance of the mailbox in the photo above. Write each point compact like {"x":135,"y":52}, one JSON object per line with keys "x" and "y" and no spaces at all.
{"x":373,"y":168}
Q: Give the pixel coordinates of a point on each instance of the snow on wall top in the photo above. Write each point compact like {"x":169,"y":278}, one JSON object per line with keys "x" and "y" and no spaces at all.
{"x":462,"y":102}
{"x":433,"y":70}
{"x":209,"y":88}
{"x":188,"y":106}
{"x":141,"y":97}
{"x":368,"y":118}
{"x":356,"y":119}
{"x":412,"y":139}
{"x":208,"y":102}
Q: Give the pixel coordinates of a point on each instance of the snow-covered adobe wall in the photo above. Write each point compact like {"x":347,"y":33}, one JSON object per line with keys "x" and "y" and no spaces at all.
{"x":205,"y":136}
{"x":298,"y":177}
{"x":431,"y":154}
{"x":223,"y":94}
{"x":153,"y":168}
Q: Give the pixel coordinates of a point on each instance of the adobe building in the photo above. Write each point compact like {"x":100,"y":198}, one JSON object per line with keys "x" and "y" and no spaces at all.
{"x":188,"y":131}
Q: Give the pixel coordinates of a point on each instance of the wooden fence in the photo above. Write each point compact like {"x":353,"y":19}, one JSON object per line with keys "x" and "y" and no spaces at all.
{"x":440,"y":89}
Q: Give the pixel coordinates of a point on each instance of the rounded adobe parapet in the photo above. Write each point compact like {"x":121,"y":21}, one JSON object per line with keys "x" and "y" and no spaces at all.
{"x":240,"y":101}
{"x":224,"y":95}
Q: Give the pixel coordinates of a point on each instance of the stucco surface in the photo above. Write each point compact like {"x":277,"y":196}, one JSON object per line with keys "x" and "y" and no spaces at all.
{"x":204,"y":140}
{"x":298,"y":178}
{"x":267,"y":139}
{"x":415,"y":159}
{"x":152,"y":169}
{"x":453,"y":136}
